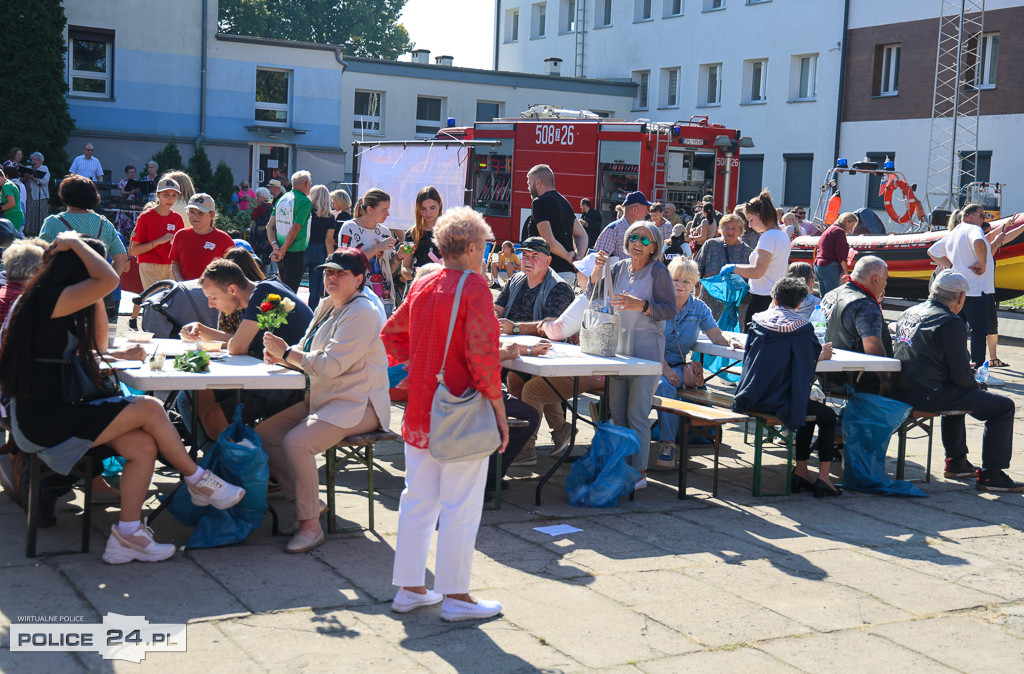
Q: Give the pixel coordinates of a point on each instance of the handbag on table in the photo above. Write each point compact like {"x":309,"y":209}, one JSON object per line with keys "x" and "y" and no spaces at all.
{"x":462,"y":428}
{"x":599,"y":335}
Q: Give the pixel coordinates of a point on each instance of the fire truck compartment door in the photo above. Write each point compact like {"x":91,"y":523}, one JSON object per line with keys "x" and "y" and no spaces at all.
{"x":619,"y":152}
{"x":676,"y":171}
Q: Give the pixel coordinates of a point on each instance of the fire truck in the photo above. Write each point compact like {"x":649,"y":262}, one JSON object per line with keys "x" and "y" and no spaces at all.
{"x":599,"y":159}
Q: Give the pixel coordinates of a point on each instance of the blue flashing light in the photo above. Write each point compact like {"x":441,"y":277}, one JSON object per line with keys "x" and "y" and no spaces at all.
{"x":842,"y":163}
{"x":451,"y":121}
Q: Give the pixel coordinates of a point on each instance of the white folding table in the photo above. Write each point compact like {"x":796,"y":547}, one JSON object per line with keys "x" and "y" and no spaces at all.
{"x":841,"y":361}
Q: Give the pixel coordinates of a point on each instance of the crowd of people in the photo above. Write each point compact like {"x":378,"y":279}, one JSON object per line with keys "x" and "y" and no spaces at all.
{"x":381,"y":299}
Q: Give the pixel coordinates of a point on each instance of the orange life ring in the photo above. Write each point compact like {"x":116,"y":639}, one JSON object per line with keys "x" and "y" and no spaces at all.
{"x":886,"y":192}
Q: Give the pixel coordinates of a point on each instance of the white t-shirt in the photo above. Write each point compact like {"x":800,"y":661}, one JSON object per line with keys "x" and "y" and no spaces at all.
{"x":380,"y":279}
{"x":961,"y":253}
{"x":776,"y":242}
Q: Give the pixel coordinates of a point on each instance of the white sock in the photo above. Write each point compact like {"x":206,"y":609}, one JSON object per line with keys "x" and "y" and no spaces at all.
{"x":195,"y":477}
{"x":129,"y":528}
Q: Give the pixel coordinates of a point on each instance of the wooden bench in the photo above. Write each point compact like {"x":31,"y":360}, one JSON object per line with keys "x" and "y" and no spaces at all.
{"x":353,"y":449}
{"x":703,"y":397}
{"x":700,"y":416}
{"x":926,"y":422}
{"x":761,"y":420}
{"x":37,"y":470}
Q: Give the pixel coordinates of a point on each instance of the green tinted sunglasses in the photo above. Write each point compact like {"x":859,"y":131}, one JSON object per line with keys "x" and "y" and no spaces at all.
{"x":633,"y":238}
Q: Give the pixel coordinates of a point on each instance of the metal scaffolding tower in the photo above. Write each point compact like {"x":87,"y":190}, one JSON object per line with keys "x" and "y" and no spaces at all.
{"x":581,"y":30}
{"x":955,"y":104}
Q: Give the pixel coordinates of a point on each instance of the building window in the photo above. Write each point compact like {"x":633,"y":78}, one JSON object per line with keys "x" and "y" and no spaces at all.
{"x":539,"y":20}
{"x":751,"y":179}
{"x":487,"y":110}
{"x":799,"y":177}
{"x":272,"y":95}
{"x":428,"y":115}
{"x":875,"y":179}
{"x":712,"y":5}
{"x":975,"y":167}
{"x":643,"y":81}
{"x":567,"y":20}
{"x":988,"y":57}
{"x":512,"y":25}
{"x":368,"y":112}
{"x":643,"y":10}
{"x":803,"y":80}
{"x":90,"y":63}
{"x":603,"y":15}
{"x":757,"y":2}
{"x":889,"y":86}
{"x":711,"y":84}
{"x":670,"y":87}
{"x":672,"y":8}
{"x":754,"y":75}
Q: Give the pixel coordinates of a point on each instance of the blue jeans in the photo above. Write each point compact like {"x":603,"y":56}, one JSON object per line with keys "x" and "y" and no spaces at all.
{"x":668,"y":423}
{"x":828,"y":277}
{"x":316,"y":253}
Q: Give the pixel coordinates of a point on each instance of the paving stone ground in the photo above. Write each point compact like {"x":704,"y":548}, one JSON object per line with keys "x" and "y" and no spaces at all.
{"x":771,"y":584}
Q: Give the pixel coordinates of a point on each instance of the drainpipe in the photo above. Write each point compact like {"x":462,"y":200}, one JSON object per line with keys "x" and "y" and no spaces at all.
{"x":842,"y":80}
{"x":202,"y":79}
{"x":497,"y":30}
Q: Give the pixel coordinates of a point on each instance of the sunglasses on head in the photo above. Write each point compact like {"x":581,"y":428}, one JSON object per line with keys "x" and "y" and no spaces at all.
{"x":633,"y":238}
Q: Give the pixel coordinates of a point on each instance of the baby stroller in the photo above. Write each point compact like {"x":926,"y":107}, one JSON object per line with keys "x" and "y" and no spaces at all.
{"x":167,"y":306}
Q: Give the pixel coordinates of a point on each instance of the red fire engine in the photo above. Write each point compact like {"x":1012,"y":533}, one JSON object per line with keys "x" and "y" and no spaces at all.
{"x":600,"y":159}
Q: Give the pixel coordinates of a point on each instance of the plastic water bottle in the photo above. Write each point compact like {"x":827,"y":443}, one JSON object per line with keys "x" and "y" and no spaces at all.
{"x":981,"y":376}
{"x":818,"y":321}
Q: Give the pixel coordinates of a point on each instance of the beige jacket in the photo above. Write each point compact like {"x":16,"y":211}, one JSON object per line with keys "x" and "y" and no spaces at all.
{"x":346,"y":364}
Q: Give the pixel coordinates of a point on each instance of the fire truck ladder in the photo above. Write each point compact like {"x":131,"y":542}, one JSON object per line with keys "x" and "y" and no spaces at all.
{"x":581,"y":31}
{"x":662,"y":139}
{"x":955,"y":103}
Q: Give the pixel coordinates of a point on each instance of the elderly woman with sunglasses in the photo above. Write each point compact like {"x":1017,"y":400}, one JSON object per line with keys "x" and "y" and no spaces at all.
{"x":644,"y":298}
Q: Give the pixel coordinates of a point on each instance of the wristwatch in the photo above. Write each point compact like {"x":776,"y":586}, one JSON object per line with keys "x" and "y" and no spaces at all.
{"x":515,"y":329}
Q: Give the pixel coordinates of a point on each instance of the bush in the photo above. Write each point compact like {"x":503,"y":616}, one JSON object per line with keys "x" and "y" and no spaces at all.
{"x":201,"y":171}
{"x":169,"y":159}
{"x":221,"y":186}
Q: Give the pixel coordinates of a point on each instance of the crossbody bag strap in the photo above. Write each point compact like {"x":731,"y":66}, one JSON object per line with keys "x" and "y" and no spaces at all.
{"x":61,"y":218}
{"x":451,"y":322}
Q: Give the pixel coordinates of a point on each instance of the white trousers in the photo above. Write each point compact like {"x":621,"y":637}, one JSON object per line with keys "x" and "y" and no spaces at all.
{"x":453,"y":490}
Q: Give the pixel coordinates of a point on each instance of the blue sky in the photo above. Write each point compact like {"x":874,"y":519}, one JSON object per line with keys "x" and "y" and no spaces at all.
{"x":460,"y":28}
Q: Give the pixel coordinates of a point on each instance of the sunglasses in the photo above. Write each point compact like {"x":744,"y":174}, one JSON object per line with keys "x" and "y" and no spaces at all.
{"x":633,"y":238}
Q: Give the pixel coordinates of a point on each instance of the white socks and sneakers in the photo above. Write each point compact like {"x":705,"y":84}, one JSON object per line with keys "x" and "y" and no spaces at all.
{"x":451,"y":609}
{"x":133,"y":541}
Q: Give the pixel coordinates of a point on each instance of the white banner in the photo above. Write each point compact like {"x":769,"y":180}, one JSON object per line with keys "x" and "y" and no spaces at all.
{"x":402,"y":171}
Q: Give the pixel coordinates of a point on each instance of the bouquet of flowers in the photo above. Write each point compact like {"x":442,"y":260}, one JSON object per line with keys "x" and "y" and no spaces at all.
{"x":274,"y":312}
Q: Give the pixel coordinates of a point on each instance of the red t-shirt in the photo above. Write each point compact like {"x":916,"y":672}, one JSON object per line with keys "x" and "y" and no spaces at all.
{"x":472,"y":358}
{"x":194,"y":251}
{"x":832,"y":246}
{"x":150,"y":227}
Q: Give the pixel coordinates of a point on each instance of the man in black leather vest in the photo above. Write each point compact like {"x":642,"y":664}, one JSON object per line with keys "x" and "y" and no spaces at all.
{"x":936,"y":376}
{"x":534,"y":293}
{"x":854,"y":322}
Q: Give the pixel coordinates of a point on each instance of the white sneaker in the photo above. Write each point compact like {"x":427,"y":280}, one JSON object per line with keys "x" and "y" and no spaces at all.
{"x":640,"y":484}
{"x":140,"y":546}
{"x":406,"y":601}
{"x":994,"y":381}
{"x":211,"y":490}
{"x":456,"y":609}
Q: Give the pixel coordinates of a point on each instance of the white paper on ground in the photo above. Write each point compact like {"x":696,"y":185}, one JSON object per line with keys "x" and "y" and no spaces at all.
{"x":557,"y":529}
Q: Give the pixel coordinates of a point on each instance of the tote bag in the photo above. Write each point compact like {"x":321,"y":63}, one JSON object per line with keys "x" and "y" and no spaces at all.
{"x":599,"y":335}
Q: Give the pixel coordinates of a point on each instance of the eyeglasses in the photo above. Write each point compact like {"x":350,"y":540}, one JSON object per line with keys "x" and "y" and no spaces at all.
{"x":633,"y":238}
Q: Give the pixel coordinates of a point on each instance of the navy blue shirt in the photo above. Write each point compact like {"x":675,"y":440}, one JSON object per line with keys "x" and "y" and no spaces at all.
{"x":298,"y":320}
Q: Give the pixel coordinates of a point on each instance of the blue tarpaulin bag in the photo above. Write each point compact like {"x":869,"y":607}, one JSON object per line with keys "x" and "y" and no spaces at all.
{"x":238,"y":458}
{"x":729,"y":290}
{"x":599,"y":477}
{"x":868,"y":424}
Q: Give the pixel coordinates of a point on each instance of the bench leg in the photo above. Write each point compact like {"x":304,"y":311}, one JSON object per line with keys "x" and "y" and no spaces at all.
{"x":369,"y":481}
{"x":758,"y":440}
{"x":928,"y":465}
{"x":718,"y":450}
{"x":33,"y":505}
{"x":684,"y":455}
{"x":790,"y":442}
{"x":87,"y":471}
{"x":329,"y":469}
{"x":901,"y":454}
{"x":497,"y":481}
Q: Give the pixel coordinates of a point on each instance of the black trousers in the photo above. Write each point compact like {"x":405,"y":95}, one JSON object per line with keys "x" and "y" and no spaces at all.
{"x":758,"y":303}
{"x":517,"y":437}
{"x":825,"y":420}
{"x":995,"y":410}
{"x":292,"y":267}
{"x":976,"y":310}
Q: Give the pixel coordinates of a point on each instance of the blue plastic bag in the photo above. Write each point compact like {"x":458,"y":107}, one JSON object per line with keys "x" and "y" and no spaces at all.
{"x":729,"y":290}
{"x":238,"y":458}
{"x":599,"y":477}
{"x":868,"y":424}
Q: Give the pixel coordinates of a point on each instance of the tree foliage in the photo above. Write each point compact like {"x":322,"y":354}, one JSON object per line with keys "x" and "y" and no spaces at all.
{"x":169,"y":159}
{"x":367,"y":28}
{"x":221,"y":185}
{"x":200,"y":170}
{"x":35,"y":115}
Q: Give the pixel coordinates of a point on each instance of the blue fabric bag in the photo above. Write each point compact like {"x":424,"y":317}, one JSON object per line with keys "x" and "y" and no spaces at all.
{"x":868,"y":424}
{"x":237,"y":463}
{"x":599,"y":477}
{"x":730,"y":291}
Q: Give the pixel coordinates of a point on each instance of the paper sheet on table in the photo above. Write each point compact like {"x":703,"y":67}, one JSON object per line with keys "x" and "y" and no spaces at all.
{"x":557,"y":529}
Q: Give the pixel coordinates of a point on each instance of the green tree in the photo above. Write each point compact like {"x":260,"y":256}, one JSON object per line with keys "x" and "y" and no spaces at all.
{"x":169,"y":159}
{"x":199,"y":169}
{"x":367,"y":28}
{"x":221,"y":185}
{"x":35,"y":114}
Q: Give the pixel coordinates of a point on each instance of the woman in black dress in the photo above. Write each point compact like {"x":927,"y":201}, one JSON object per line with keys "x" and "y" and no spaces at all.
{"x":421,"y":236}
{"x":60,"y":317}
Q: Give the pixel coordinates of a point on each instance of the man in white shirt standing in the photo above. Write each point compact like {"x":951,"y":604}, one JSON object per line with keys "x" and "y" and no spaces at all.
{"x":87,"y":165}
{"x":970,"y":254}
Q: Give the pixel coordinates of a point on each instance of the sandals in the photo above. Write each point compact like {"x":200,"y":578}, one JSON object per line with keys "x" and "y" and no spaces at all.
{"x":995,"y":362}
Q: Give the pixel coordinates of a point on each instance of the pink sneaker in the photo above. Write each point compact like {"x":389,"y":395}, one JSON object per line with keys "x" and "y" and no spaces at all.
{"x":211,"y":490}
{"x":139,"y":546}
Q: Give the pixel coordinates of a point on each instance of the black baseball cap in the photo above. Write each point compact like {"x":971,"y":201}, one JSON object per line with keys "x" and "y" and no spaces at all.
{"x":536,"y":244}
{"x":347,"y":259}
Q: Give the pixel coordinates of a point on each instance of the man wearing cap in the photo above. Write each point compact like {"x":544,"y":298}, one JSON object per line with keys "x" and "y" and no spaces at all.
{"x":555,"y":222}
{"x":154,"y":231}
{"x":87,"y":165}
{"x":289,"y":228}
{"x":535,"y":293}
{"x":192,"y":248}
{"x":936,"y":376}
{"x":276,"y":190}
{"x":613,"y":239}
{"x":228,"y":290}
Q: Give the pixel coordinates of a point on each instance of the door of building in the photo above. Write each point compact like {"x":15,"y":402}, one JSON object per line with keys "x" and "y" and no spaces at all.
{"x":269,"y":162}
